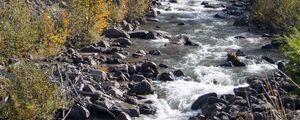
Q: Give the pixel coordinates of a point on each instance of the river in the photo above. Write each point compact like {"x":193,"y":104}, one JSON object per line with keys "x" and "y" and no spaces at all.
{"x":200,"y":64}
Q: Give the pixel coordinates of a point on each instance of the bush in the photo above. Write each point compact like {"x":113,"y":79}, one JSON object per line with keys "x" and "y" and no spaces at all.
{"x":137,"y":8}
{"x":118,"y":11}
{"x":31,"y":95}
{"x":280,"y":15}
{"x":22,"y":33}
{"x":88,"y":18}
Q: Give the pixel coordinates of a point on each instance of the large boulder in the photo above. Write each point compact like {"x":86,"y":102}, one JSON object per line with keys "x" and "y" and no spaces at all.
{"x":149,"y":69}
{"x":158,"y":34}
{"x":234,"y":60}
{"x":202,"y":100}
{"x":79,"y":112}
{"x":115,"y":33}
{"x":138,"y":34}
{"x":147,"y":109}
{"x":137,"y":78}
{"x":143,"y":88}
{"x":167,"y":76}
{"x":182,"y":40}
{"x":102,"y":113}
{"x":124,"y":42}
{"x":155,"y":52}
{"x":131,"y":110}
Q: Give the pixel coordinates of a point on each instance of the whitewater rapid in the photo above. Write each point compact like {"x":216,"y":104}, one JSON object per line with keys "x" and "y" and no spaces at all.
{"x":200,"y":64}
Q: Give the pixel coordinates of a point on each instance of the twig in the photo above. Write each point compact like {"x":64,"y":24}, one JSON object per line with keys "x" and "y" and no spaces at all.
{"x":290,"y":79}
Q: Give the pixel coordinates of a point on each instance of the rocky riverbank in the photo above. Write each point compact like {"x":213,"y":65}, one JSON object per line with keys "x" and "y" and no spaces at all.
{"x":109,"y":81}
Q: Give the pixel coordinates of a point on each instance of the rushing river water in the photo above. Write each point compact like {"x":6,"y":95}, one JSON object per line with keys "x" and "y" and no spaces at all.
{"x":200,"y":64}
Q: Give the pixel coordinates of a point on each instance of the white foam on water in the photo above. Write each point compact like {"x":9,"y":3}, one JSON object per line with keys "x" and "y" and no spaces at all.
{"x":174,"y":99}
{"x":260,"y":68}
{"x":180,"y":95}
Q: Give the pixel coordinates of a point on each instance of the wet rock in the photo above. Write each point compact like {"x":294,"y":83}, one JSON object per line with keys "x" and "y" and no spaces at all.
{"x":181,"y":24}
{"x":268,"y":46}
{"x":131,"y":110}
{"x":149,"y":69}
{"x":202,"y":100}
{"x":178,"y":73}
{"x":220,"y":16}
{"x":147,"y":109}
{"x":173,"y":1}
{"x":211,"y":109}
{"x":124,"y":42}
{"x":240,"y":37}
{"x":242,"y":21}
{"x":143,"y":88}
{"x":137,"y":78}
{"x":267,"y":35}
{"x":204,"y":3}
{"x":155,"y":52}
{"x":167,"y":76}
{"x":245,"y":92}
{"x":131,"y":100}
{"x":157,"y":34}
{"x":213,"y":6}
{"x":268,"y":59}
{"x":232,"y":57}
{"x":138,"y":34}
{"x":99,"y":112}
{"x":182,"y":40}
{"x":123,"y":116}
{"x":79,"y":112}
{"x":240,"y":53}
{"x":163,"y":66}
{"x":115,"y":33}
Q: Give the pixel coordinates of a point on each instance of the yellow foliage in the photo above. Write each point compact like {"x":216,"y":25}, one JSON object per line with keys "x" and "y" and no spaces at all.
{"x":53,"y":36}
{"x":31,"y":95}
{"x":118,"y":11}
{"x":137,"y":8}
{"x":17,"y":32}
{"x":21,"y":33}
{"x":88,"y":18}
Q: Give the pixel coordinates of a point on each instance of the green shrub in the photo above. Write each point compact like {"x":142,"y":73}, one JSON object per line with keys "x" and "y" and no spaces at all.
{"x":88,"y":19}
{"x":22,"y":33}
{"x":280,"y":15}
{"x":31,"y":94}
{"x":117,"y":12}
{"x":137,"y":8}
